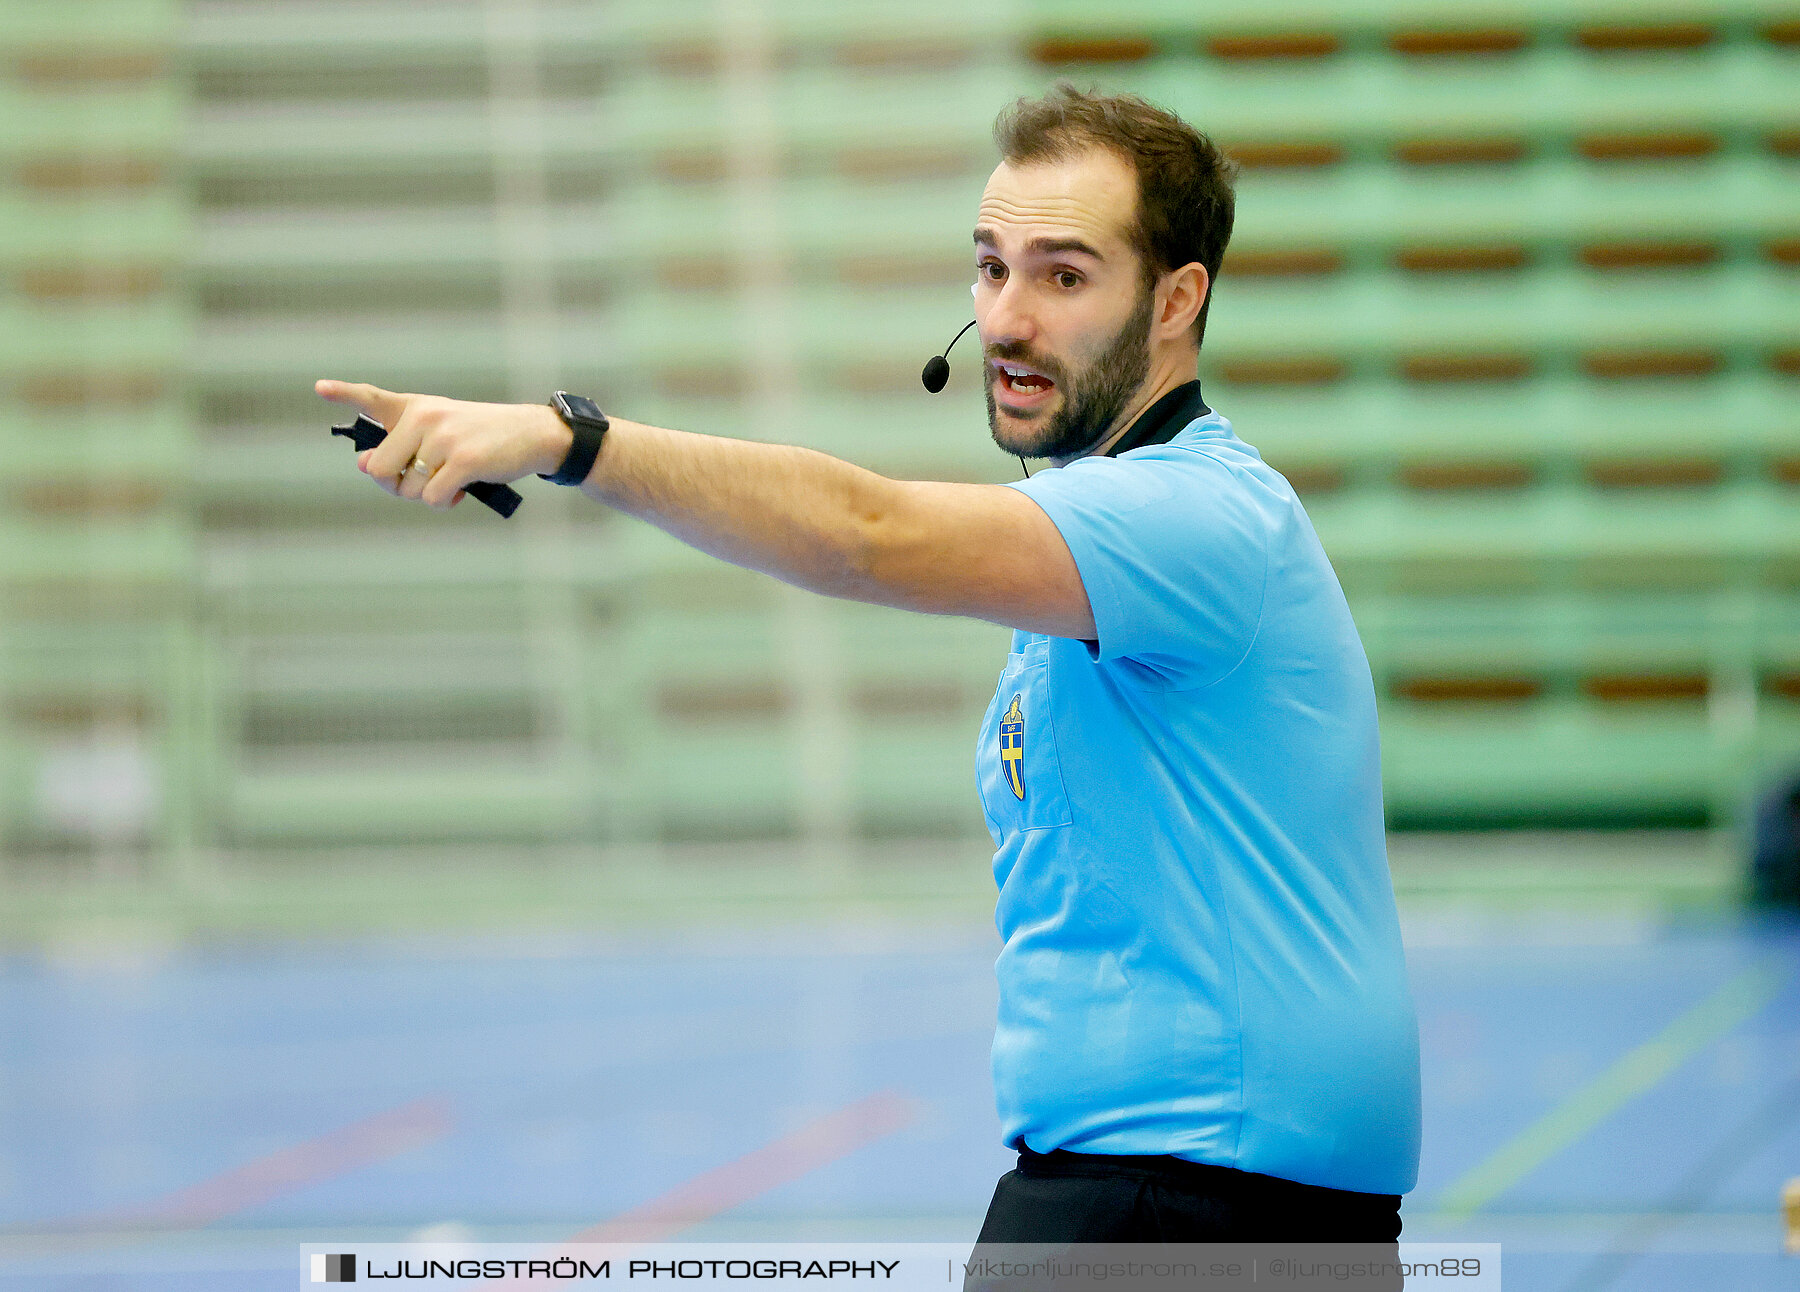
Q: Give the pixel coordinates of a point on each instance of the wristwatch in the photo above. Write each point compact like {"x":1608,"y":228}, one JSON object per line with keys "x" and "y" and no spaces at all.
{"x":590,"y":425}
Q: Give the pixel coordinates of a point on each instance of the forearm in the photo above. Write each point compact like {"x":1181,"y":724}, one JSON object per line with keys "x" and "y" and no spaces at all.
{"x":804,"y":517}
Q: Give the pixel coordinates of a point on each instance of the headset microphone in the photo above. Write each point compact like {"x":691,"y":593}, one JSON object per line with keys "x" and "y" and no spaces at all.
{"x":937,"y":368}
{"x":937,"y":372}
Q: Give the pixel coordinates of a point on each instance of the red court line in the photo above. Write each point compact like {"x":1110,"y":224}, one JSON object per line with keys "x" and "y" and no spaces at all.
{"x":335,"y":1153}
{"x":821,"y":1141}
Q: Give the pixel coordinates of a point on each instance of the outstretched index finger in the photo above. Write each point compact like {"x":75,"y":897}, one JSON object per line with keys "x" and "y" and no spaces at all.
{"x":383,"y":405}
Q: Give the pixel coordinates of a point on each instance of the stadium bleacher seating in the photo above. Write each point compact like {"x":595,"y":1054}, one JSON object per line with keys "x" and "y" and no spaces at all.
{"x":1514,"y":301}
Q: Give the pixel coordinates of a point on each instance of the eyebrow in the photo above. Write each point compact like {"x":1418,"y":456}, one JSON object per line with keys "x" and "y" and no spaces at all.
{"x":984,"y":237}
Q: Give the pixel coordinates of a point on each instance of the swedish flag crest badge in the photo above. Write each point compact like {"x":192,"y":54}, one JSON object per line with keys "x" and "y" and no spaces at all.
{"x":1012,"y":747}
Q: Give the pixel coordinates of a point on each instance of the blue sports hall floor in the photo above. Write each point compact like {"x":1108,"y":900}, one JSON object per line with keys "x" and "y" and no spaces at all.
{"x":1614,"y":1099}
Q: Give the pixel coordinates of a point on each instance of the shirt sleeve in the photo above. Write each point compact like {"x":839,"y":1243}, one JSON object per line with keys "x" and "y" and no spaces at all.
{"x":1172,"y":546}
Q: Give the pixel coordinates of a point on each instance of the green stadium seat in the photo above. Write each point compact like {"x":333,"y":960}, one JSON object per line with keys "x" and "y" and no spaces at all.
{"x":1511,"y":300}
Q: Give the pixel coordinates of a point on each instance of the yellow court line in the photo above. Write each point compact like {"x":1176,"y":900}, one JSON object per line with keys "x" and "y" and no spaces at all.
{"x":1636,"y":1072}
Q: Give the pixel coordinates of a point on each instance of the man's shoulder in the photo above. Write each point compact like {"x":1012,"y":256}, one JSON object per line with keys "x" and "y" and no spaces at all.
{"x":1206,"y":458}
{"x":1202,"y":494}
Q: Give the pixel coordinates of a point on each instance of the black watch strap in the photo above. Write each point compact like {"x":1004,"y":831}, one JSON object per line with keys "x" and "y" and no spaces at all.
{"x":590,"y":425}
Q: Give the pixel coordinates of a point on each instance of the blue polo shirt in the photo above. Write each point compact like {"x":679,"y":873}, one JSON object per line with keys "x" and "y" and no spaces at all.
{"x":1201,"y":953}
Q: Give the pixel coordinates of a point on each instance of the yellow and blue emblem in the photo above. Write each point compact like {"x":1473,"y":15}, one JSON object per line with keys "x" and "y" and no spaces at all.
{"x":1012,"y":747}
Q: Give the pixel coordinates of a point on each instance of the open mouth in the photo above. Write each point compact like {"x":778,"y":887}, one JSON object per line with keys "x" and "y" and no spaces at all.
{"x":1023,"y":386}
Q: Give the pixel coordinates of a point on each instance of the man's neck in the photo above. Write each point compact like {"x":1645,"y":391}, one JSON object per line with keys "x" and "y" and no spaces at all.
{"x":1165,"y":377}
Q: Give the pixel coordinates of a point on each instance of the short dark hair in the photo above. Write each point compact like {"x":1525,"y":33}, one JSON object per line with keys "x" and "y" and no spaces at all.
{"x":1185,"y":198}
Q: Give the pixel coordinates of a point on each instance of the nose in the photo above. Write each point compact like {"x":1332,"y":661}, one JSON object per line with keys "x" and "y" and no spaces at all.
{"x":1008,"y":316}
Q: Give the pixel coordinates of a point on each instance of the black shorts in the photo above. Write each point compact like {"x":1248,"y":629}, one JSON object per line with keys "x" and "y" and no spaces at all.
{"x":1064,"y":1197}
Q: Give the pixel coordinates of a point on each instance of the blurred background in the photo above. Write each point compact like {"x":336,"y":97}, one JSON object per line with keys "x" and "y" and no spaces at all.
{"x":369,"y":871}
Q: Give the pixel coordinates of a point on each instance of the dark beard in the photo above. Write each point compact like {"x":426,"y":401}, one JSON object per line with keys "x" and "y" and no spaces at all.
{"x":1093,"y":400}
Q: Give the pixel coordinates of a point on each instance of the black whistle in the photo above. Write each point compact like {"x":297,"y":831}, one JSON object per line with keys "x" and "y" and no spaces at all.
{"x":366,"y":434}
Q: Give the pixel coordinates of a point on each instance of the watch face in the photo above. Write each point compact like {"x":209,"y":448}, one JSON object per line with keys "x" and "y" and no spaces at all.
{"x":583,"y":408}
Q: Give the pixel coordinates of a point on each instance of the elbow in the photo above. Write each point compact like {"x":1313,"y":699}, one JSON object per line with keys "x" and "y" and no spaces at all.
{"x":871,"y":561}
{"x":861,"y":558}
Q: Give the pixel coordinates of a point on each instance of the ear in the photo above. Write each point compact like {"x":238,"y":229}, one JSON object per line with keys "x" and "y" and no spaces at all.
{"x":1181,"y":293}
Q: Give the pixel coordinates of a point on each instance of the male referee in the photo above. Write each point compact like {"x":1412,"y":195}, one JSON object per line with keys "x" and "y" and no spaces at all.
{"x":1205,"y":1031}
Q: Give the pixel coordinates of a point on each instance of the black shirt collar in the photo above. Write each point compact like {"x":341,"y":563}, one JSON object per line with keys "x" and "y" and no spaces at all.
{"x":1163,"y":420}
